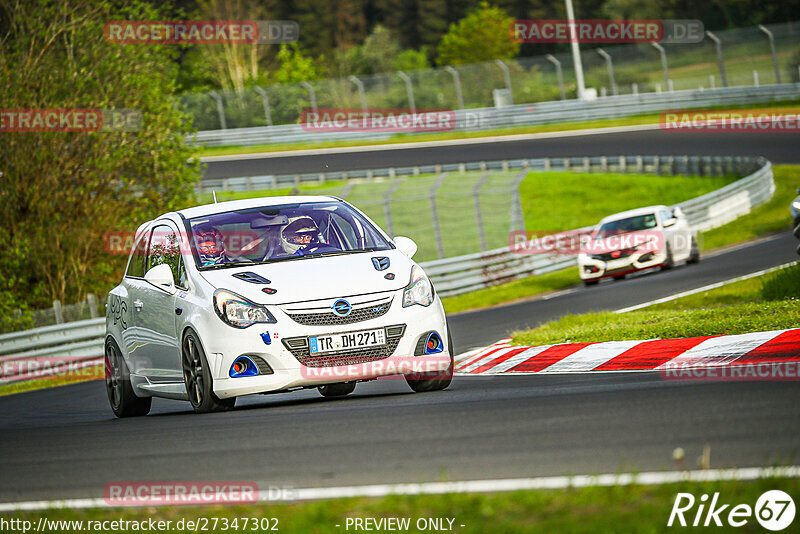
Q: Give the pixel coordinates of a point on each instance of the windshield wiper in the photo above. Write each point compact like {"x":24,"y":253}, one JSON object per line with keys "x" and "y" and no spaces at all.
{"x":227,"y":264}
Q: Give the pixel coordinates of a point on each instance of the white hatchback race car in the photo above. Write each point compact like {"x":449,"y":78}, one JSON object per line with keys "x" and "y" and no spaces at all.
{"x":269,"y":295}
{"x":635,"y":240}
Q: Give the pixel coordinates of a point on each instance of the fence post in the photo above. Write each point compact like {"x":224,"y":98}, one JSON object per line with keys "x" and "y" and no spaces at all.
{"x":437,"y":230}
{"x":311,"y":95}
{"x":622,"y":164}
{"x":220,"y":109}
{"x":409,"y":90}
{"x":476,"y":200}
{"x":772,"y":49}
{"x":755,"y":78}
{"x":664,"y":67}
{"x":92,"y":302}
{"x":457,"y":82}
{"x":560,"y":75}
{"x":507,"y":75}
{"x":387,"y":209}
{"x":517,"y":217}
{"x":265,"y":102}
{"x":610,"y":68}
{"x":58,"y":312}
{"x":362,"y":95}
{"x":720,"y":60}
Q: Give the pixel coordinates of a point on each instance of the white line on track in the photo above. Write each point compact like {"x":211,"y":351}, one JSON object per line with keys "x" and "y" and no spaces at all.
{"x":704,"y":288}
{"x":471,"y":486}
{"x":431,"y":144}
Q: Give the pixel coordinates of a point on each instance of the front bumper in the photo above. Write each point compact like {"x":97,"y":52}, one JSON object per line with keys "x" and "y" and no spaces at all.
{"x":289,"y":372}
{"x":594,"y":269}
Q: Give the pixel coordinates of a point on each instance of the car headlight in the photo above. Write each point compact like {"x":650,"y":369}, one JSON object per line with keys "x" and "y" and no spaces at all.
{"x":796,"y":204}
{"x":419,"y":290}
{"x":239,"y":312}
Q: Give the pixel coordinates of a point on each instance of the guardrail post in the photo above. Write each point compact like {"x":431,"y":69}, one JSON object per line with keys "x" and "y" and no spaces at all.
{"x":457,"y":82}
{"x":635,"y":88}
{"x":220,"y":109}
{"x":720,"y":60}
{"x":587,"y":164}
{"x":311,"y":95}
{"x":437,"y":230}
{"x":610,"y":69}
{"x":409,"y":90}
{"x":547,"y":164}
{"x":265,"y":103}
{"x":387,"y":208}
{"x":504,"y":165}
{"x":755,"y":78}
{"x":623,"y":164}
{"x":639,"y":165}
{"x":462,"y":168}
{"x":476,"y":200}
{"x":58,"y":312}
{"x":565,"y":161}
{"x":604,"y":164}
{"x":772,"y":49}
{"x":712,"y":81}
{"x":559,"y":74}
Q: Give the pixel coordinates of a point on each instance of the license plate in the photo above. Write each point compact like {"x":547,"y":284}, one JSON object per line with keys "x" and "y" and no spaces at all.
{"x":349,"y":341}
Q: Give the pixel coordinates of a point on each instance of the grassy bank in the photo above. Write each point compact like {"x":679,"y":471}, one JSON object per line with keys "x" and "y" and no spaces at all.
{"x":768,"y":302}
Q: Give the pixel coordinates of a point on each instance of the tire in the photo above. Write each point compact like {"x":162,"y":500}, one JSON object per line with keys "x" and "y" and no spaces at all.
{"x":435,"y":381}
{"x":669,"y":263}
{"x":337,"y":390}
{"x":694,"y":253}
{"x":197,"y":377}
{"x":123,"y":401}
{"x":588,"y":283}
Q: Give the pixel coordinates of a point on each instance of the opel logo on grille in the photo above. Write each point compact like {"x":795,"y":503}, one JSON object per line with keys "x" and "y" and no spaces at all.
{"x":341,"y":307}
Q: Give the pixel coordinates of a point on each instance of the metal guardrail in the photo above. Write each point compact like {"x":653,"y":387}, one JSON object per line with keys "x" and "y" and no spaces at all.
{"x":472,"y":120}
{"x":79,"y":344}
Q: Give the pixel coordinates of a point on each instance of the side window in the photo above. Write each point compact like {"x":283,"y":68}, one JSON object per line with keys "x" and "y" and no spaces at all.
{"x":136,"y":265}
{"x":345,"y":230}
{"x":165,"y":248}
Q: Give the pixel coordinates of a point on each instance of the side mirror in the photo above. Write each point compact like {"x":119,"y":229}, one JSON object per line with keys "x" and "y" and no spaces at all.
{"x":406,"y":245}
{"x":670,"y":222}
{"x":677,"y":212}
{"x":161,"y":277}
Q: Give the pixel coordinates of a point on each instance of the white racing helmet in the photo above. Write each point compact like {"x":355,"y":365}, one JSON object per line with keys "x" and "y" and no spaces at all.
{"x":299,"y":233}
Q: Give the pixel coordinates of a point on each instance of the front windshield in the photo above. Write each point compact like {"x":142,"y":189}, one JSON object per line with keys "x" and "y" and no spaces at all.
{"x":624,"y":226}
{"x":278,"y":233}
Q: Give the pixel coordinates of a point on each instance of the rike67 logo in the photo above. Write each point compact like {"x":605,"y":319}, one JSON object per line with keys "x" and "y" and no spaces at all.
{"x":774,"y":510}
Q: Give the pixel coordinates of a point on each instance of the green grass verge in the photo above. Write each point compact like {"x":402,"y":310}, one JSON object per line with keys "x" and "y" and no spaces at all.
{"x":768,"y":302}
{"x":633,"y":508}
{"x":32,"y":385}
{"x":444,"y":136}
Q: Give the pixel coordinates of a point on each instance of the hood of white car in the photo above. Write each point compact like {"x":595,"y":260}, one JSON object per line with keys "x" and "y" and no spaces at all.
{"x":315,"y":278}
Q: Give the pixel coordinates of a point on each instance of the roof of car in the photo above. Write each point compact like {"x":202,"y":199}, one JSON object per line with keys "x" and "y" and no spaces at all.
{"x":232,"y":205}
{"x":633,"y":213}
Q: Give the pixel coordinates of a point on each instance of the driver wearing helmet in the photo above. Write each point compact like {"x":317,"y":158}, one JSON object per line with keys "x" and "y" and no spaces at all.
{"x":300,"y":233}
{"x":210,"y":246}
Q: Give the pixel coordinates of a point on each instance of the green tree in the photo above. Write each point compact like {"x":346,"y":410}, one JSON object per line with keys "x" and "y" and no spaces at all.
{"x":62,"y":192}
{"x":482,"y":35}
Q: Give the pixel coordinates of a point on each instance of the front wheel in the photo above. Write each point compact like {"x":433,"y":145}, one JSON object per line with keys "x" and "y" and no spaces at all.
{"x":337,"y":390}
{"x":124,"y":402}
{"x":197,"y":377}
{"x":435,"y":381}
{"x":669,"y":263}
{"x":694,"y":254}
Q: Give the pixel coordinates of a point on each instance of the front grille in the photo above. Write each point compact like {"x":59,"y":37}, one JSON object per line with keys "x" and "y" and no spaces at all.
{"x":359,"y":313}
{"x":299,"y":348}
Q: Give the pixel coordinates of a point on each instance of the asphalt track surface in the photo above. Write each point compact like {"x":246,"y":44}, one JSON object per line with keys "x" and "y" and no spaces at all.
{"x":65,"y":443}
{"x":777,"y":147}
